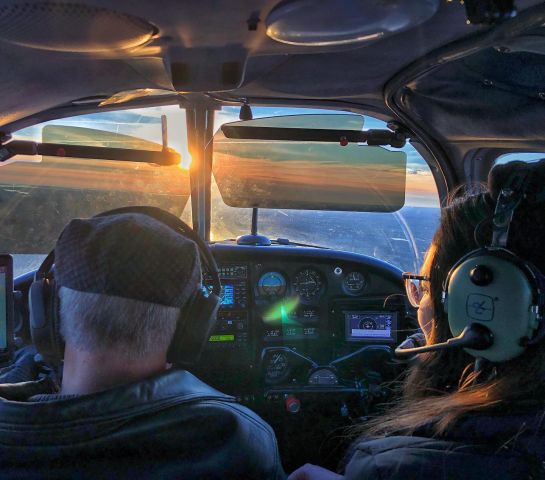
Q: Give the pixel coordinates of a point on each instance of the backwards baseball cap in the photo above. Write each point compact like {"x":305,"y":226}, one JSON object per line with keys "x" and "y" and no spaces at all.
{"x":129,"y":255}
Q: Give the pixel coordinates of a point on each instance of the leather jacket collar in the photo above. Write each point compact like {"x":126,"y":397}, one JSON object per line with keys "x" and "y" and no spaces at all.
{"x":170,"y":388}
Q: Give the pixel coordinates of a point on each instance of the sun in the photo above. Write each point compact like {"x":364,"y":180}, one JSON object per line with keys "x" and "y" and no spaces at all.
{"x":185,"y":161}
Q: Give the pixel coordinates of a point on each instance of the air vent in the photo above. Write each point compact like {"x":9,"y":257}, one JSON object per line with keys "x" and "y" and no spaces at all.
{"x":71,"y":27}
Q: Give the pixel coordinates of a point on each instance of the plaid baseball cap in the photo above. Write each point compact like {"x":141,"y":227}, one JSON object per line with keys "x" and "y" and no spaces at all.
{"x":128,"y":255}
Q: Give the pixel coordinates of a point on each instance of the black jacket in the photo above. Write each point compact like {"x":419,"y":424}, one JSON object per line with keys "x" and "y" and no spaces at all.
{"x":170,"y":426}
{"x":496,"y":446}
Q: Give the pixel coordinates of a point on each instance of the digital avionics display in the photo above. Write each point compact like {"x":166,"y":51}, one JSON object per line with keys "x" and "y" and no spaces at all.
{"x":221,"y":338}
{"x":291,"y":332}
{"x":285,"y":322}
{"x":3,"y":309}
{"x":227,"y":294}
{"x":369,"y":325}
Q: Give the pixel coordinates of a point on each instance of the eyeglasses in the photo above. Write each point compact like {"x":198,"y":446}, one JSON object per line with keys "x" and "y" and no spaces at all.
{"x":414,"y":287}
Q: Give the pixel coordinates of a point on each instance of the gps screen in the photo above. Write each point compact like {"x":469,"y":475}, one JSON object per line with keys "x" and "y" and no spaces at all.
{"x":369,"y":325}
{"x":227,"y":294}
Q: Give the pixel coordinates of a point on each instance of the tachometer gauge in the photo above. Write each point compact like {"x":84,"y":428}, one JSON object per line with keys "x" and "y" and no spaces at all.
{"x":272,"y":284}
{"x":278,"y":368}
{"x":354,"y":283}
{"x":307,"y":283}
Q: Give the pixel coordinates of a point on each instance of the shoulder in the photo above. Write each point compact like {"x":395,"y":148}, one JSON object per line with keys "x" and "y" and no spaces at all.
{"x":247,"y":440}
{"x":405,"y":457}
{"x":198,"y":415}
{"x":233,"y":434}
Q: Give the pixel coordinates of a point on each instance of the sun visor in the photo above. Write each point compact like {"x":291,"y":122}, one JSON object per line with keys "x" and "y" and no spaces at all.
{"x":309,"y":175}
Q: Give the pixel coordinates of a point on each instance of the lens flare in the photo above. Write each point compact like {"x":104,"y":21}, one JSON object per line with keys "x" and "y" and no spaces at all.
{"x":281,"y":311}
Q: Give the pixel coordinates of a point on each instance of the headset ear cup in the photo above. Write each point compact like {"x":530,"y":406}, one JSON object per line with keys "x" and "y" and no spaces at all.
{"x":504,"y":301}
{"x":57,"y":342}
{"x":36,"y":307}
{"x":44,"y":321}
{"x":193,"y":330}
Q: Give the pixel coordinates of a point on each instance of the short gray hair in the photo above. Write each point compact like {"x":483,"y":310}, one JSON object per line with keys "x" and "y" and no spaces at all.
{"x":96,"y":322}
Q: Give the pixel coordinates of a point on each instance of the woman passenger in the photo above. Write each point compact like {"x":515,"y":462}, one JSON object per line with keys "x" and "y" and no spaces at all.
{"x":451,"y":422}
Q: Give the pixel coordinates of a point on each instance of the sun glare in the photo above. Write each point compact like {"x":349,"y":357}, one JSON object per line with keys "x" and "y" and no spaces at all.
{"x":186,"y":160}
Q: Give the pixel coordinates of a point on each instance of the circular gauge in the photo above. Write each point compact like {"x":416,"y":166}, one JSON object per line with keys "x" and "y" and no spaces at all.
{"x":367,"y":324}
{"x":323,"y":376}
{"x":272,"y":284}
{"x":277,"y":368}
{"x":307,"y":283}
{"x":354,"y":283}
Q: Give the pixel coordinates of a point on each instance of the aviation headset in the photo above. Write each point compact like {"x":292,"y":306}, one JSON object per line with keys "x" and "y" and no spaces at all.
{"x":193,"y":328}
{"x":493,"y":292}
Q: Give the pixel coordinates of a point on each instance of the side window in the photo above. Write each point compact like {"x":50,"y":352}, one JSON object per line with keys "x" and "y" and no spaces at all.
{"x":521,"y":156}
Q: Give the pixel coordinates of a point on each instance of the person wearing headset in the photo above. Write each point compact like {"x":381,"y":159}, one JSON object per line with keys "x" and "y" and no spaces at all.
{"x":129,"y":287}
{"x":472,"y":405}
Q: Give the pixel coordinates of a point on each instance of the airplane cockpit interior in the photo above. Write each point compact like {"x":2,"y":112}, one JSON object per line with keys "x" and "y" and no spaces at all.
{"x":311,"y":144}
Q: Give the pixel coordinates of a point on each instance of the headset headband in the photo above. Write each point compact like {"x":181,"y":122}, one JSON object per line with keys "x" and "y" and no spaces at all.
{"x":508,"y":200}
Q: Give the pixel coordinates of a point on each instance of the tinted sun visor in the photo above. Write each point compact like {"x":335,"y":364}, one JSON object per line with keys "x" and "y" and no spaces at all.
{"x":92,"y":137}
{"x":318,"y":122}
{"x":88,"y":143}
{"x":309,"y":175}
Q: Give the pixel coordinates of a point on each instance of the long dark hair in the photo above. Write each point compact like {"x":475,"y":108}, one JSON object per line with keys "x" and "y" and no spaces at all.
{"x":440,"y":389}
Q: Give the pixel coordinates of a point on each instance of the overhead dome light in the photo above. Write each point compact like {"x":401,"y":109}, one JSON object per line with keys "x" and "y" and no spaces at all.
{"x":319,"y":23}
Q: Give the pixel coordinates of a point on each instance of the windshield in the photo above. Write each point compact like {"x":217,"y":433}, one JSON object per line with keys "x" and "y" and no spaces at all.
{"x":400,"y":238}
{"x":39,"y":195}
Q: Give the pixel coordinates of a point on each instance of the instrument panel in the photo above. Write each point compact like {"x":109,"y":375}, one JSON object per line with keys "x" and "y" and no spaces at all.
{"x":289,"y":313}
{"x":289,"y":308}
